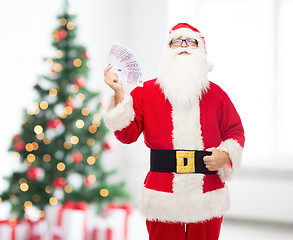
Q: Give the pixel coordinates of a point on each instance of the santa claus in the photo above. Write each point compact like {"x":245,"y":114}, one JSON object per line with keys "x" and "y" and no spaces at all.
{"x":195,"y":136}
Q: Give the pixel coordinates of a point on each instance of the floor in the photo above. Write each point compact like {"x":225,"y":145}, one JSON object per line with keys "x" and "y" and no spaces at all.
{"x":232,"y":229}
{"x":244,"y":230}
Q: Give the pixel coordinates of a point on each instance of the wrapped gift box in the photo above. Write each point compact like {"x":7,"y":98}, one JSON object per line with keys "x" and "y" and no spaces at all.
{"x":137,"y":226}
{"x":67,"y":222}
{"x":101,"y":230}
{"x":23,"y":230}
{"x":13,"y":230}
{"x":126,"y":223}
{"x":114,"y":225}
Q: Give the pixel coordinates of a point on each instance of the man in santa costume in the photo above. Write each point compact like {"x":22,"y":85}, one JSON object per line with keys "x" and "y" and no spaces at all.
{"x":195,"y":136}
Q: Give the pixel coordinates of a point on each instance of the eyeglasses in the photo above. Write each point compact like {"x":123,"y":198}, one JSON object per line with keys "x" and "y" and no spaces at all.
{"x":188,"y":41}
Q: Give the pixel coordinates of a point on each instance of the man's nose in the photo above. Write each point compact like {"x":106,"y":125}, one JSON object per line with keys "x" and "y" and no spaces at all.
{"x":184,"y":44}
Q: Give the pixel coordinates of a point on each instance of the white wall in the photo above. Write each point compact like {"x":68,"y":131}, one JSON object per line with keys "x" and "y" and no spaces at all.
{"x":25,"y":40}
{"x":262,"y":196}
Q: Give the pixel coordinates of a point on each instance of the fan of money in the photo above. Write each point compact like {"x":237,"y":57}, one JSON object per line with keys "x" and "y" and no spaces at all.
{"x":125,"y":64}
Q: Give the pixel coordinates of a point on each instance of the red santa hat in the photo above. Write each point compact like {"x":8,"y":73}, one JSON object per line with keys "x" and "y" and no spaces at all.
{"x":185,"y":30}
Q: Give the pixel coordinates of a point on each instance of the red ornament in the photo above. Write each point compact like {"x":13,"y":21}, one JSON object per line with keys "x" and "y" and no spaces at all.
{"x":77,"y":157}
{"x":85,"y":55}
{"x":54,"y":123}
{"x":62,"y":34}
{"x":59,"y":182}
{"x":16,"y":137}
{"x":90,"y":180}
{"x":108,"y":145}
{"x":69,"y":104}
{"x":19,"y":145}
{"x":80,"y":82}
{"x":34,"y":173}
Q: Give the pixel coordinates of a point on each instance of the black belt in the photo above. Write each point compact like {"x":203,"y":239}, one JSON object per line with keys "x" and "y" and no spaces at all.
{"x":179,"y":161}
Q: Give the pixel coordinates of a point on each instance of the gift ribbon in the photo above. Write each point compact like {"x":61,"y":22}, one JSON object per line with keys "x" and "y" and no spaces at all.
{"x":109,"y":234}
{"x":69,"y":204}
{"x":95,"y":234}
{"x":13,"y":224}
{"x":31,"y":224}
{"x":128,"y":209}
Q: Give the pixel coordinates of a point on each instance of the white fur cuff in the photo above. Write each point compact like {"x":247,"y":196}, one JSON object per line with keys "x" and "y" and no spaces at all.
{"x":233,"y":148}
{"x":119,"y":117}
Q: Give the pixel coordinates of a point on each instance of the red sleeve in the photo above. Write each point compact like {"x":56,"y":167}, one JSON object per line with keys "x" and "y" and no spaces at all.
{"x":131,"y":133}
{"x":232,"y":134}
{"x":231,"y":125}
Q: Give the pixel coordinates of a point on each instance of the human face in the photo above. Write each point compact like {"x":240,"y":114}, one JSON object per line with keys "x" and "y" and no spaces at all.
{"x":193,"y":44}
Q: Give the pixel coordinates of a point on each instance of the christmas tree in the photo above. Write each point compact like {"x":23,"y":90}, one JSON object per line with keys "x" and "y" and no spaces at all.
{"x":62,"y":136}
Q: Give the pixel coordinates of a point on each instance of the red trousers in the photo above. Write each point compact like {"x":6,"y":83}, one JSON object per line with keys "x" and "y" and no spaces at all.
{"x":207,"y":230}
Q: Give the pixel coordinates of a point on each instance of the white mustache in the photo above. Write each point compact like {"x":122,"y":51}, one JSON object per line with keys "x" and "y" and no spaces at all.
{"x":181,"y":49}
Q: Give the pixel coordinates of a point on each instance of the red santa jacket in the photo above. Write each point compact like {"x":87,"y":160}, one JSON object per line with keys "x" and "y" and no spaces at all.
{"x":211,"y":122}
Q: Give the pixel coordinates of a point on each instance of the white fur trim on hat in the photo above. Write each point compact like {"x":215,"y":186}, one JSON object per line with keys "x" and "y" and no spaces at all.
{"x":233,"y":148}
{"x":185,"y":33}
{"x":119,"y":117}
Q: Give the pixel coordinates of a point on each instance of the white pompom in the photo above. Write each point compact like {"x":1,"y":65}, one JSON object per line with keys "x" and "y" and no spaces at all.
{"x":210,"y":66}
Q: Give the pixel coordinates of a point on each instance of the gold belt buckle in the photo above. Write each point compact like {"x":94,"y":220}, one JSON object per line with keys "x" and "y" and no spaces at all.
{"x":180,"y":166}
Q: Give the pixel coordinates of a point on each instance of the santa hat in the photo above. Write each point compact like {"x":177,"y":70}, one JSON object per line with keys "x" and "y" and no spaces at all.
{"x":187,"y":31}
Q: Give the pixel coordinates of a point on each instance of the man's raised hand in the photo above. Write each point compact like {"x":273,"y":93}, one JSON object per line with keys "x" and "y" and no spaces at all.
{"x":112,"y":80}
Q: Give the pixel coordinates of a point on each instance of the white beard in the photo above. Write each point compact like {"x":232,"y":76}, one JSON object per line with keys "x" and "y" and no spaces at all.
{"x":183,"y":78}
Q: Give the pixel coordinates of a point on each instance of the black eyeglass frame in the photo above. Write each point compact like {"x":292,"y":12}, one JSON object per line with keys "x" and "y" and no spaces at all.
{"x":181,"y":41}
